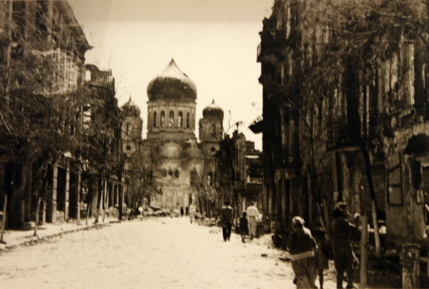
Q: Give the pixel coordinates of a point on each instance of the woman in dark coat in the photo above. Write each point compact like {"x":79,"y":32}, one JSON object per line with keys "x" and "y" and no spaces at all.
{"x":344,"y":257}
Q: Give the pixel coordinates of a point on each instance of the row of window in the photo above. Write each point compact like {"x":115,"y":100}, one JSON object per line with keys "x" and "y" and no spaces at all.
{"x":171,"y":121}
{"x":170,"y":173}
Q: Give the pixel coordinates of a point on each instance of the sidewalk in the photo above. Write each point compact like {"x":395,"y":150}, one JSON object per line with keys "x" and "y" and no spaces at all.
{"x":15,"y":238}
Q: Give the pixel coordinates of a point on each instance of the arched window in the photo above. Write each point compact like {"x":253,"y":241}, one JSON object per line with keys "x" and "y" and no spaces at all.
{"x":176,"y":173}
{"x":162,"y":119}
{"x":180,"y":119}
{"x":188,"y":120}
{"x":210,"y":178}
{"x":171,"y":119}
{"x":213,"y":131}
{"x":155,"y":123}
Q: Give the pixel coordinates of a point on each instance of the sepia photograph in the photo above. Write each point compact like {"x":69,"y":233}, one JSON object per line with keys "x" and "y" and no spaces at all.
{"x":214,"y":144}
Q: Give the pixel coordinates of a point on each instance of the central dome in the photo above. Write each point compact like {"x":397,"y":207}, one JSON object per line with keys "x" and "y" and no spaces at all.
{"x":172,"y":83}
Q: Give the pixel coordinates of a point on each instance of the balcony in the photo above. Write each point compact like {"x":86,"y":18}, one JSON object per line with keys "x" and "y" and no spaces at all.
{"x":257,"y":126}
{"x":341,"y":138}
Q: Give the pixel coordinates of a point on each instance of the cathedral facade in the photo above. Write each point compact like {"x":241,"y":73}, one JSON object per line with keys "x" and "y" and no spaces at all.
{"x":187,"y":167}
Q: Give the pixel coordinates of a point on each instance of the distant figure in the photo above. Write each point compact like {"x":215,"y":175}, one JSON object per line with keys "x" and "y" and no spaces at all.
{"x":301,"y":246}
{"x":192,"y":212}
{"x":244,"y":227}
{"x":182,"y":211}
{"x":344,"y":257}
{"x":322,"y":253}
{"x":252,"y":215}
{"x":187,"y":210}
{"x":226,"y":221}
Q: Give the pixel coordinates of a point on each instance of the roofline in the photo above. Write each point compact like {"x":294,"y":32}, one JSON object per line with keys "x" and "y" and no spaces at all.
{"x":66,"y":6}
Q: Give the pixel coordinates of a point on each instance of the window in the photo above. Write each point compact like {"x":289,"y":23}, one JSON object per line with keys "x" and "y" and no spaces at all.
{"x":171,"y":119}
{"x":188,"y":120}
{"x":395,"y":175}
{"x":18,"y":29}
{"x":42,"y":8}
{"x":210,"y":178}
{"x":176,"y":173}
{"x":213,"y":131}
{"x":180,"y":119}
{"x":155,"y":123}
{"x":18,"y":18}
{"x":162,"y":119}
{"x":88,"y":75}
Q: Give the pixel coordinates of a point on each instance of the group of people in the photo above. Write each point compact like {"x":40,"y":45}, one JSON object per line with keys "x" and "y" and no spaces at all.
{"x":248,"y":221}
{"x":309,"y":252}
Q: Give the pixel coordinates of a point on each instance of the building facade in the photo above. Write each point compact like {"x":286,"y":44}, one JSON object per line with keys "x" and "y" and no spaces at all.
{"x":60,"y":139}
{"x":42,"y":54}
{"x":181,"y":168}
{"x":344,"y":122}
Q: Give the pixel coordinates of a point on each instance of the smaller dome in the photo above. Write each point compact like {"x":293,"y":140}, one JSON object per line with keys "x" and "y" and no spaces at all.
{"x":131,"y":109}
{"x":213,"y":111}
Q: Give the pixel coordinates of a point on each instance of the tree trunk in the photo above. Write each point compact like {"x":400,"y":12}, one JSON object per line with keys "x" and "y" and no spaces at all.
{"x":104,"y":207}
{"x":376,"y":230}
{"x":99,"y":200}
{"x":353,"y":84}
{"x":121,"y":201}
{"x":89,"y":202}
{"x":3,"y":221}
{"x":363,"y":250}
{"x":373,"y":201}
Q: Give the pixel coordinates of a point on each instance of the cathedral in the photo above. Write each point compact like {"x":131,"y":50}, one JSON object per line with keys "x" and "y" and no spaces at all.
{"x":171,"y":123}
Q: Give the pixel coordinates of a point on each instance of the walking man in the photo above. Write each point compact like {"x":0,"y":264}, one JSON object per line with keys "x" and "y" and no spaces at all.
{"x":344,"y":256}
{"x":252,"y":215}
{"x":226,"y":221}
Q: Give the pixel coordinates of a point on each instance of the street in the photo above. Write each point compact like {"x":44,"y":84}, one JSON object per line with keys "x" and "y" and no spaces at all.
{"x":153,"y":253}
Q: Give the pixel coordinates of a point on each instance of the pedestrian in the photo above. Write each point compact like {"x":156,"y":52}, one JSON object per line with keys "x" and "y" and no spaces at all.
{"x":244,"y":227}
{"x":323,"y":251}
{"x":182,"y":211}
{"x":226,"y":221}
{"x":344,"y":257}
{"x":253,"y":216}
{"x":192,"y":212}
{"x":301,"y":246}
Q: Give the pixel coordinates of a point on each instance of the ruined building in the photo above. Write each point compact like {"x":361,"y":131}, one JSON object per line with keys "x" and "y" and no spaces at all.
{"x":182,"y":166}
{"x":346,"y":118}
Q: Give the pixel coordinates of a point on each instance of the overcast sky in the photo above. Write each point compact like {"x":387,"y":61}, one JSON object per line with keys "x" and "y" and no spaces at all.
{"x":213,"y":41}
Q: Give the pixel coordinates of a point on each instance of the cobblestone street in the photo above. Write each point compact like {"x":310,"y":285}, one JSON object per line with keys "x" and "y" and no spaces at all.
{"x":153,"y":253}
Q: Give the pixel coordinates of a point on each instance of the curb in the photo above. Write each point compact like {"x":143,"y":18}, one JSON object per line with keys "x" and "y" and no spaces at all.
{"x":34,"y":240}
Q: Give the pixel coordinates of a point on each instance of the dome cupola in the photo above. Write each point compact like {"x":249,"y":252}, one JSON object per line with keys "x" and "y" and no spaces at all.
{"x":213,"y":111}
{"x":131,"y":109}
{"x":172,"y":83}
